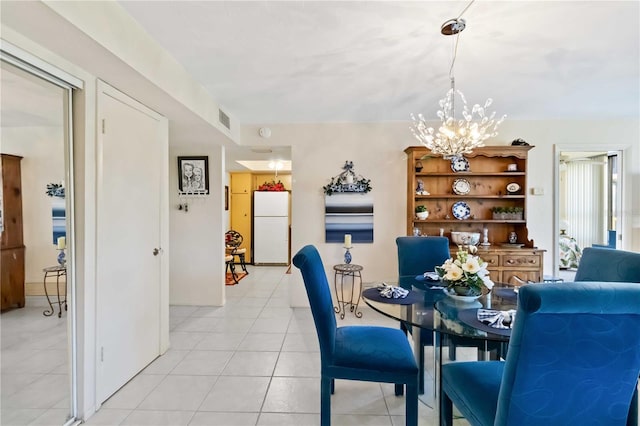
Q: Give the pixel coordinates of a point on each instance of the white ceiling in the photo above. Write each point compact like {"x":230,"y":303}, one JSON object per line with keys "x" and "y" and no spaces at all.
{"x":303,"y":61}
{"x":271,"y":62}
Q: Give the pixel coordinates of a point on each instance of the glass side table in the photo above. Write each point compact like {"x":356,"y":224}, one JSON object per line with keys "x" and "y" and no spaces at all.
{"x":347,"y":270}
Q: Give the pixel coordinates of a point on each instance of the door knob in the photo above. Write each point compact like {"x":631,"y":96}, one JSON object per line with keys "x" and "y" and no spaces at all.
{"x":156,"y":251}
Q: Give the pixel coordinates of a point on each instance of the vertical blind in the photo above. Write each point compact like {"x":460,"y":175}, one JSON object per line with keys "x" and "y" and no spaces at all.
{"x":586,"y":200}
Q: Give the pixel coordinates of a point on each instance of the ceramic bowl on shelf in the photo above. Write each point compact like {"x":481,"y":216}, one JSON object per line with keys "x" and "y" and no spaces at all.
{"x":465,"y":238}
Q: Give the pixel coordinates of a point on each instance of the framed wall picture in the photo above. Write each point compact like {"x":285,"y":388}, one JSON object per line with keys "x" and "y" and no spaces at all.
{"x":226,"y":197}
{"x":193,"y":175}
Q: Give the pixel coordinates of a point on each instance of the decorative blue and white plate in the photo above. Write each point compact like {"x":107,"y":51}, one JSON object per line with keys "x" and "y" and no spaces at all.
{"x":461,"y":210}
{"x":459,"y":164}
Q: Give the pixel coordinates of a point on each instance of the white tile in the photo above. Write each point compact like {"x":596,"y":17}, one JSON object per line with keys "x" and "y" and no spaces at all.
{"x":262,"y":342}
{"x":200,"y":363}
{"x":108,"y":417}
{"x":207,"y":418}
{"x":277,"y":312}
{"x":288,"y":419}
{"x":356,"y":397}
{"x":182,"y":311}
{"x":298,"y":364}
{"x":208,"y":311}
{"x":12,"y":383}
{"x":293,"y":395}
{"x":233,"y":325}
{"x":360,"y":420}
{"x":255,"y":301}
{"x":220,"y":341}
{"x":245,"y":394}
{"x":301,"y":342}
{"x":185,"y":340}
{"x":203,"y":324}
{"x":19,"y":416}
{"x":184,"y":393}
{"x":134,"y":392}
{"x":158,"y":418}
{"x":45,"y":392}
{"x":53,"y":416}
{"x":242,"y":311}
{"x":251,"y":364}
{"x":270,"y":325}
{"x":165,"y":363}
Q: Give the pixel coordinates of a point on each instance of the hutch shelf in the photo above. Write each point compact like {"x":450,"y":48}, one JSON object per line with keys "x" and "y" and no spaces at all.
{"x":493,"y":177}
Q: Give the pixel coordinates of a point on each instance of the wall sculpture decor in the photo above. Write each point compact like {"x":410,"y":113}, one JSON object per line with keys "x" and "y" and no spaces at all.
{"x":348,"y":207}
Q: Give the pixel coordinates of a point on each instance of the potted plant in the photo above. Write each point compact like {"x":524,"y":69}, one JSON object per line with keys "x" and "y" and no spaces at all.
{"x":421,"y":212}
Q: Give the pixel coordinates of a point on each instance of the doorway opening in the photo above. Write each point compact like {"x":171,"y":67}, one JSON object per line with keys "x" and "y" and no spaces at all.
{"x":588,"y":207}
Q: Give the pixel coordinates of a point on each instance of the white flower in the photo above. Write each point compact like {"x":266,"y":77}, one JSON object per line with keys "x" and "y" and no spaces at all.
{"x":487,"y":282}
{"x":454,"y":273}
{"x":471,"y":265}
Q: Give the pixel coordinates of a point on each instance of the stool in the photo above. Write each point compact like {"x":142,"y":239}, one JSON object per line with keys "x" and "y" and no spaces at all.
{"x":240,"y":252}
{"x":347,"y":270}
{"x":228,"y":259}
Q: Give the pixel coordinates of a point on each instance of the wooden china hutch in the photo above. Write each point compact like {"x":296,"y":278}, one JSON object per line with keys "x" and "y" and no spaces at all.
{"x":471,"y":195}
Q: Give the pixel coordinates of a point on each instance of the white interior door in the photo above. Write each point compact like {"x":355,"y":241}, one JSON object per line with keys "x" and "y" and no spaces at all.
{"x":129,"y":230}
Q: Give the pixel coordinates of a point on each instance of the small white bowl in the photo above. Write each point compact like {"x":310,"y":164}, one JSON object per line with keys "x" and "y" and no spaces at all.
{"x":465,"y":238}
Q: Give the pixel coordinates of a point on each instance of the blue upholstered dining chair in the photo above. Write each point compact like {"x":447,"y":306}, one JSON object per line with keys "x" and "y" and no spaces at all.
{"x":574,"y":359}
{"x":601,"y":264}
{"x":366,"y":353}
{"x":417,"y":255}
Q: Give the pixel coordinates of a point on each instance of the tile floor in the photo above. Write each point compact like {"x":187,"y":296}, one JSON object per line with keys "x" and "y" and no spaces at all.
{"x":34,"y":380}
{"x":253,"y":362}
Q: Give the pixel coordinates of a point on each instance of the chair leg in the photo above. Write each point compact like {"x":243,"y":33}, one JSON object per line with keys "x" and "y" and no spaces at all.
{"x":232,"y":267}
{"x":411,"y":404}
{"x":333,"y":386}
{"x":325,"y":401}
{"x":446,"y":410}
{"x":632,"y":418}
{"x":243,"y":264}
{"x":399,"y":389}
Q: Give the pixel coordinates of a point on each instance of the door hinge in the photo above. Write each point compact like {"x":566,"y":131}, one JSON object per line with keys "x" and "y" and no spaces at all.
{"x":101,"y":353}
{"x":103,"y":126}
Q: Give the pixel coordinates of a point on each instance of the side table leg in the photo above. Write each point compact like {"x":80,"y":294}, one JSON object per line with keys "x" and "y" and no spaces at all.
{"x":354,"y":308}
{"x":336,"y":309}
{"x":47,"y":312}
{"x":58,"y":291}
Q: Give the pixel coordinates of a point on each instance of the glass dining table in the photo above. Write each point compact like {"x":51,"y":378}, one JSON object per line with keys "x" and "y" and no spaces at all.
{"x":440,"y":320}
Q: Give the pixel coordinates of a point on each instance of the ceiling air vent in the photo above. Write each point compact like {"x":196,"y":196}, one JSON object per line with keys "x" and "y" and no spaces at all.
{"x":224,"y":119}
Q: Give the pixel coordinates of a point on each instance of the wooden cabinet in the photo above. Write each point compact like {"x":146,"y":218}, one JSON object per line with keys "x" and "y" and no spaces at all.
{"x":476,"y":187}
{"x":12,"y":274}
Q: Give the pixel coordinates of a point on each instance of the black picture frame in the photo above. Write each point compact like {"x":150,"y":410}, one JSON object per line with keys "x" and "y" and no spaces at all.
{"x":226,"y":197}
{"x":193,"y":175}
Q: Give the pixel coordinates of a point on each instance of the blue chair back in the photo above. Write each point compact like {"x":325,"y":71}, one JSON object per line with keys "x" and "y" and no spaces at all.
{"x":574,"y":355}
{"x":315,"y":281}
{"x":601,"y":264}
{"x":417,"y":255}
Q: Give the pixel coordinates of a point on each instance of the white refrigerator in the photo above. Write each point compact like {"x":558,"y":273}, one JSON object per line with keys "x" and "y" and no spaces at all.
{"x":271,"y":227}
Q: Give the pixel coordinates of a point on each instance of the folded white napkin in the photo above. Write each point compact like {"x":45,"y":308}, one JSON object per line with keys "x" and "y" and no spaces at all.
{"x":433,"y":276}
{"x":392,"y":292}
{"x":497,"y":319}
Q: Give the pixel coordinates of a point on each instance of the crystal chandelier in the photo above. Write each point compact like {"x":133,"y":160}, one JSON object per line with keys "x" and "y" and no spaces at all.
{"x":456,"y":137}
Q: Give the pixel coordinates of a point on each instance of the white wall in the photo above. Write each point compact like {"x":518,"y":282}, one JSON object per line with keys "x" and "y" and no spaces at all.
{"x":197,"y":243}
{"x":42,"y":149}
{"x":319,"y":151}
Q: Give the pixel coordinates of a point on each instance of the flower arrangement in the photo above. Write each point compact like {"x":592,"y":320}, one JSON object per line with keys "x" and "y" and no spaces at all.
{"x":466,"y":274}
{"x":272,"y":186}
